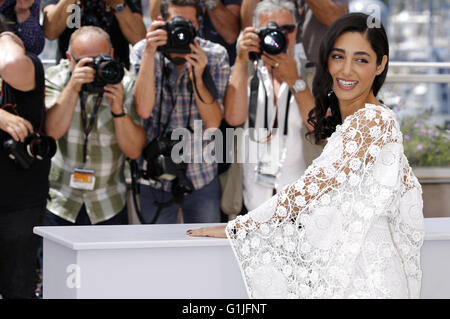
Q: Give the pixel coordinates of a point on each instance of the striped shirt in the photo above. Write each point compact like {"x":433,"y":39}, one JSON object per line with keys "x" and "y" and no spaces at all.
{"x":104,"y":156}
{"x":199,"y":171}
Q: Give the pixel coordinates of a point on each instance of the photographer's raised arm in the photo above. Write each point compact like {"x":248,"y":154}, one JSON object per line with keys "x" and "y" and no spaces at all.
{"x":130,"y":136}
{"x":55,"y":18}
{"x":226,"y":21}
{"x":208,"y":106}
{"x":15,"y":67}
{"x":131,"y":23}
{"x":144,"y":90}
{"x":236,"y":98}
{"x":247,"y":9}
{"x":60,"y":115}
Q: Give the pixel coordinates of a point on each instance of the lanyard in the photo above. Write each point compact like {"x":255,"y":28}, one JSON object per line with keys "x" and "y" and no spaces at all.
{"x":87,"y":127}
{"x":254,"y":84}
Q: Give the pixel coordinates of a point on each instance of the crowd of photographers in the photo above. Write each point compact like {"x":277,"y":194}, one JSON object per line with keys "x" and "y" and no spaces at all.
{"x":69,"y":135}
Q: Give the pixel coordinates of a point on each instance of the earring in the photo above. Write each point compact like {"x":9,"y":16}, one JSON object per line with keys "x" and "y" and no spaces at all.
{"x":330,"y":92}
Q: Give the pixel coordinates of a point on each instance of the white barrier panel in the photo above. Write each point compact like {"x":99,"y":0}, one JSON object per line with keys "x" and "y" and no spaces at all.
{"x":161,"y":261}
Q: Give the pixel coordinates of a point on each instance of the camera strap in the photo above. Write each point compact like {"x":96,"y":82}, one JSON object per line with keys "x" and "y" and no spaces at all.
{"x":87,"y":127}
{"x":254,"y":88}
{"x":209,"y":84}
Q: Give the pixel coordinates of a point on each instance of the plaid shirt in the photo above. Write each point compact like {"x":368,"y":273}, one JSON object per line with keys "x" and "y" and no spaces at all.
{"x":104,"y":156}
{"x":199,"y":172}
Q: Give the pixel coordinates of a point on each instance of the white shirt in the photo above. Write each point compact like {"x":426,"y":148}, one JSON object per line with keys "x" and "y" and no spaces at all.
{"x":294,"y":165}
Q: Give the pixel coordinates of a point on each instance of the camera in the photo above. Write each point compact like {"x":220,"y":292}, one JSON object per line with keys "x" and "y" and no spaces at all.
{"x":180,"y":33}
{"x":34,"y":147}
{"x":94,"y":13}
{"x":272,"y":40}
{"x":161,"y":166}
{"x":107,"y":71}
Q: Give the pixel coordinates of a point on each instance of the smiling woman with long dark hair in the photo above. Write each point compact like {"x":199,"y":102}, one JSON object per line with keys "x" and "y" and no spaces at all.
{"x":326,"y":101}
{"x":352,"y":225}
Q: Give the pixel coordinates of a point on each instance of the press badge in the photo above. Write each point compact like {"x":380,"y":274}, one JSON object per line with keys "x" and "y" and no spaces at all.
{"x":82,"y":179}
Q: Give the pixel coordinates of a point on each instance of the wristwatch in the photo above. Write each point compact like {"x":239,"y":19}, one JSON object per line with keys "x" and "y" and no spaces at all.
{"x":120,"y":7}
{"x":124,"y":112}
{"x":299,"y":86}
{"x":211,"y":4}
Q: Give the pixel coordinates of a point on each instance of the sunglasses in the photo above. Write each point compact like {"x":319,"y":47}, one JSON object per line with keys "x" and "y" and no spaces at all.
{"x":289,"y":28}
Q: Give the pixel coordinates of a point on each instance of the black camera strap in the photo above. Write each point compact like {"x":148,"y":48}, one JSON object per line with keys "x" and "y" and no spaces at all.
{"x":87,"y":127}
{"x":209,"y":83}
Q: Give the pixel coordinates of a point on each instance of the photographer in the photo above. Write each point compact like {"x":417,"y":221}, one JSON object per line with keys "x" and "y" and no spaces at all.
{"x":178,"y":90}
{"x":219,"y":22}
{"x":22,"y":17}
{"x":23,"y":192}
{"x":314,"y":18}
{"x":96,"y":127}
{"x":277,"y":106}
{"x":121,"y":19}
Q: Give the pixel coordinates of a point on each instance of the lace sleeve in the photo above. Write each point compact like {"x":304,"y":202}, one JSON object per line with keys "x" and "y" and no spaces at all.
{"x":305,"y":241}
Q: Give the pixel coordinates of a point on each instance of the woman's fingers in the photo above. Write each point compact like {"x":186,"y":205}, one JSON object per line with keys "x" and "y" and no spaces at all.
{"x":213,"y":231}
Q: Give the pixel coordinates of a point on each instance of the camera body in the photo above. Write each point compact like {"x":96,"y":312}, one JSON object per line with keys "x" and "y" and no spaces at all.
{"x":180,"y":33}
{"x":107,"y":71}
{"x":94,"y":13}
{"x":161,"y":166}
{"x":272,"y":40}
{"x":35,"y":147}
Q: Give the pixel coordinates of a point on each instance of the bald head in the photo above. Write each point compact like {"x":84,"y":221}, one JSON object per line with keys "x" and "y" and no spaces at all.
{"x":89,"y":41}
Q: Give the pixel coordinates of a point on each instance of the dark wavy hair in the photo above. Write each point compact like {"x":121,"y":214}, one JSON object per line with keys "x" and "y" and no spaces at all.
{"x":324,"y":96}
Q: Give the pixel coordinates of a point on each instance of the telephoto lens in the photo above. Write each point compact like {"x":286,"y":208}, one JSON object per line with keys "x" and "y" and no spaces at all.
{"x":107,"y":71}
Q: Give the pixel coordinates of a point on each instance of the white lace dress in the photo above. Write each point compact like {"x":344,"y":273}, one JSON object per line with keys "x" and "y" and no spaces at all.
{"x":351,"y":227}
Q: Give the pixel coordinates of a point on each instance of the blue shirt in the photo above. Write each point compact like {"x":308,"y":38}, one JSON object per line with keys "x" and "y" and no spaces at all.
{"x":29,"y":31}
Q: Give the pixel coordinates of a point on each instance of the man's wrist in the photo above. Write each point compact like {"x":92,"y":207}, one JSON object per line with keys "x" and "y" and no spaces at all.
{"x":299,"y":85}
{"x":120,"y":113}
{"x":119,"y":6}
{"x":73,"y":87}
{"x":291,"y":82}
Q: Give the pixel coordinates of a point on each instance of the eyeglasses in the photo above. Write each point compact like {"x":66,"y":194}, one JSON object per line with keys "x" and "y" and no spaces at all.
{"x":289,"y":28}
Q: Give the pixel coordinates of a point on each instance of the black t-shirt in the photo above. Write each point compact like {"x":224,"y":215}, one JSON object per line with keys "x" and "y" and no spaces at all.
{"x":119,"y":42}
{"x":19,"y":188}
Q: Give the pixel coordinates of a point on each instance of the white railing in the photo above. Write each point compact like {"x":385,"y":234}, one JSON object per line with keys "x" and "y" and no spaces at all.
{"x":422,"y":78}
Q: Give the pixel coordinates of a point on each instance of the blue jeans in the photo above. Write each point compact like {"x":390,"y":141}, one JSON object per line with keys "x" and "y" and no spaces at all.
{"x":200,"y":206}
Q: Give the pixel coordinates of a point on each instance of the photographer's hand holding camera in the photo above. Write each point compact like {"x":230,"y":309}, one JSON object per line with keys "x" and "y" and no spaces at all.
{"x":282,"y":66}
{"x":157,"y":36}
{"x":24,"y":173}
{"x":91,"y":113}
{"x":181,"y":82}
